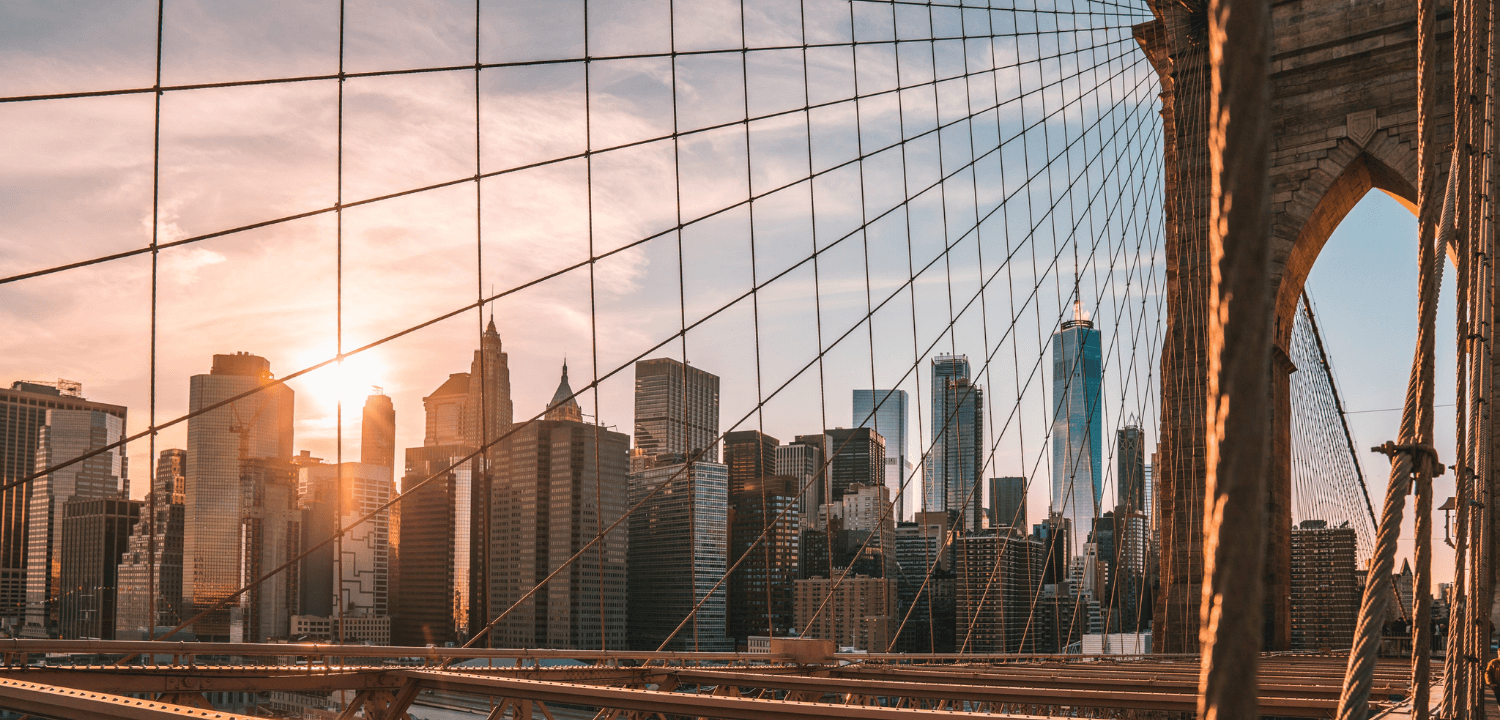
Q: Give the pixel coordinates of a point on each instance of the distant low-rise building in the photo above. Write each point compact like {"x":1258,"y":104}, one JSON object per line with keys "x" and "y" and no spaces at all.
{"x":858,"y":612}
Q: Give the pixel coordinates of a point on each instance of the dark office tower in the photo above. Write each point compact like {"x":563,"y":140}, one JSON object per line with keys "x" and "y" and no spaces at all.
{"x":133,"y":619}
{"x":557,"y":484}
{"x":998,"y":574}
{"x":750,"y":454}
{"x":444,"y":410}
{"x":1325,"y":598}
{"x":676,"y":410}
{"x":803,"y":459}
{"x":270,"y":532}
{"x":432,"y":596}
{"x":1130,"y":461}
{"x":1056,"y":537}
{"x":492,"y":365}
{"x":94,"y":534}
{"x":377,"y":435}
{"x":678,"y":554}
{"x":925,"y":583}
{"x":222,"y":446}
{"x":1008,"y":503}
{"x":1077,"y":425}
{"x":70,"y":427}
{"x":761,"y":591}
{"x":953,"y":465}
{"x":858,"y":458}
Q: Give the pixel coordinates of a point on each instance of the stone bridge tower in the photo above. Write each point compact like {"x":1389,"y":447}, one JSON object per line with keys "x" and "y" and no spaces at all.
{"x":1343,"y":122}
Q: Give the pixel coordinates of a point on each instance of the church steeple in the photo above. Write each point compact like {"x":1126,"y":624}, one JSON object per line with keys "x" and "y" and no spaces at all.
{"x":563,"y":405}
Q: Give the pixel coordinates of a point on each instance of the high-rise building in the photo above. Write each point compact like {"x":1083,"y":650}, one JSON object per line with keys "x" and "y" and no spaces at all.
{"x":859,"y":612}
{"x":489,"y":388}
{"x":430,"y":548}
{"x":998,"y":575}
{"x":270,"y":534}
{"x":926,"y":583}
{"x":678,"y":554}
{"x":564,"y":406}
{"x":803,"y":459}
{"x":857,"y":457}
{"x":1008,"y":503}
{"x":676,"y":410}
{"x":951,"y":476}
{"x":377,"y":436}
{"x":139,"y":570}
{"x":885,"y":412}
{"x":1325,"y":591}
{"x":365,"y":562}
{"x":68,"y":431}
{"x":750,"y":454}
{"x":1077,"y":424}
{"x":856,"y":533}
{"x":223,"y":445}
{"x":93,"y":535}
{"x":558,"y":483}
{"x":23,"y":412}
{"x":445,"y":410}
{"x":1130,"y":466}
{"x":761,"y":599}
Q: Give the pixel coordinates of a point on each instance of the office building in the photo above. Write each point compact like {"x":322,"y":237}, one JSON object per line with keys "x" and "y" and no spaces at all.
{"x":93,"y":535}
{"x":363,"y":554}
{"x":1077,"y":424}
{"x":951,"y":476}
{"x":761,"y":594}
{"x":556,"y":484}
{"x":489,"y":389}
{"x":1008,"y":503}
{"x":856,"y":457}
{"x":1056,"y":536}
{"x":1325,"y":586}
{"x":222,"y":446}
{"x":70,"y":429}
{"x":270,"y":534}
{"x":803,"y":459}
{"x":1130,"y":468}
{"x":885,"y":412}
{"x":676,"y":410}
{"x":678,"y":553}
{"x":926,"y":583}
{"x":998,"y":574}
{"x":858,"y":612}
{"x":444,"y":411}
{"x":750,"y":454}
{"x":430,"y":549}
{"x":377,"y":437}
{"x":145,"y":564}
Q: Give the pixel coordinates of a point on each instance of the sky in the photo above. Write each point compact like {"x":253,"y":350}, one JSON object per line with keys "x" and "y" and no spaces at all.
{"x":1016,"y":191}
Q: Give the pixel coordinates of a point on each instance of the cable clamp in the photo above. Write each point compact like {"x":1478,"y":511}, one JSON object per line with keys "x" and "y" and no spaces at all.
{"x":1391,"y":449}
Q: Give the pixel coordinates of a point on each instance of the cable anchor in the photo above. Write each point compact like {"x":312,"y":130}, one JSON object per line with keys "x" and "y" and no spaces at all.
{"x":1391,"y":449}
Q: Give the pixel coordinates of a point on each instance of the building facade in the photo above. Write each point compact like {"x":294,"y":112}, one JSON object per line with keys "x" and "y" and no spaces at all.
{"x":377,"y":434}
{"x":750,"y":454}
{"x":859,"y":612}
{"x":221,"y":446}
{"x":1008,"y":503}
{"x":145,"y":564}
{"x":1077,"y":425}
{"x":557,"y":483}
{"x":803,"y":459}
{"x":761,"y":600}
{"x":951,"y":474}
{"x":885,"y":412}
{"x":1325,"y":586}
{"x":926,"y":583}
{"x":270,"y":534}
{"x":93,"y":535}
{"x":66,"y":432}
{"x":1130,"y":469}
{"x":998,"y":577}
{"x":678,"y":552}
{"x":676,"y":410}
{"x":856,"y":457}
{"x":430,"y":558}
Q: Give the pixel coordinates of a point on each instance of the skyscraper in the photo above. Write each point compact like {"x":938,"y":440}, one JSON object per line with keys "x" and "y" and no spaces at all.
{"x":1130,"y":462}
{"x":678,"y":554}
{"x":998,"y":575}
{"x":66,"y":432}
{"x":270,"y":533}
{"x":750,"y":454}
{"x":222,"y":445}
{"x":365,"y":563}
{"x":676,"y":409}
{"x":885,"y":411}
{"x":93,"y":536}
{"x":761,"y":600}
{"x":133,"y":619}
{"x":803,"y":459}
{"x":1325,"y":593}
{"x":857,"y":458}
{"x":377,"y":436}
{"x":430,"y":555}
{"x":1077,"y":424}
{"x":951,"y":474}
{"x":557,"y":484}
{"x":1008,"y":503}
{"x":489,"y":388}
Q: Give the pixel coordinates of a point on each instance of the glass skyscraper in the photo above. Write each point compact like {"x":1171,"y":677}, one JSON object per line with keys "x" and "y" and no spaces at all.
{"x":885,"y":411}
{"x":676,"y":409}
{"x":951,"y":472}
{"x":1077,"y":425}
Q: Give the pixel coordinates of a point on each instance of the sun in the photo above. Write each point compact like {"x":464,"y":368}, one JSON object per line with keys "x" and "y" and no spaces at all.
{"x":351,"y":381}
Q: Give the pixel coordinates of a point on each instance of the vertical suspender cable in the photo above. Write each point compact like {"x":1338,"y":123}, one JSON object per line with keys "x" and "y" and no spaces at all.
{"x":1239,"y":342}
